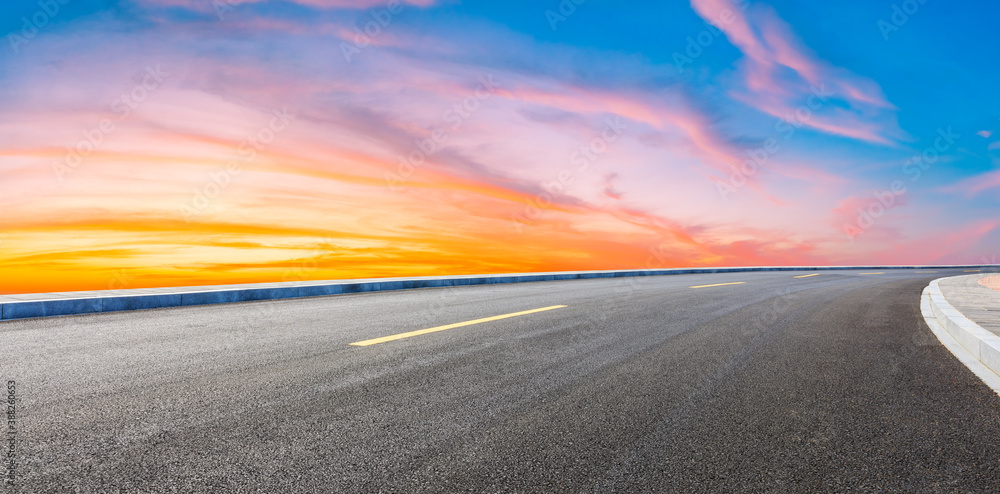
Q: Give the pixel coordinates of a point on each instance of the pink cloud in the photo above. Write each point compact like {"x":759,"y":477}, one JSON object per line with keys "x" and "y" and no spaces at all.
{"x":985,"y":134}
{"x":360,"y":4}
{"x":354,"y":125}
{"x":945,"y":246}
{"x":660,"y":117}
{"x":871,"y":207}
{"x":974,"y":185}
{"x":715,"y":151}
{"x":772,"y":50}
{"x":894,"y":242}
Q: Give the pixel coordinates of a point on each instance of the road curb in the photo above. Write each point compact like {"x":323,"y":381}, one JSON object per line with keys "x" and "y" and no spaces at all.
{"x":122,"y":300}
{"x":979,"y":345}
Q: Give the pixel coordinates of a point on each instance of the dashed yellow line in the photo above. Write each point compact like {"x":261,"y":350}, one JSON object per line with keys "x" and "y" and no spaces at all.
{"x":973,"y":270}
{"x":400,"y":336}
{"x":869,"y":273}
{"x":720,"y":284}
{"x":807,"y":275}
{"x":924,"y":272}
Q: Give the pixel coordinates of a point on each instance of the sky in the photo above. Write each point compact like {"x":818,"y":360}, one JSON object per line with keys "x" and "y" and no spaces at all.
{"x":155,"y":143}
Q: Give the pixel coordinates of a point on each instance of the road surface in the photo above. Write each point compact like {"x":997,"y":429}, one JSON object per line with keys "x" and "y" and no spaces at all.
{"x":773,"y":381}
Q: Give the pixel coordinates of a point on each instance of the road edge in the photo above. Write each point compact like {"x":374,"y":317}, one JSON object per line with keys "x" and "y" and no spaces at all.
{"x":140,"y":299}
{"x":972,"y":345}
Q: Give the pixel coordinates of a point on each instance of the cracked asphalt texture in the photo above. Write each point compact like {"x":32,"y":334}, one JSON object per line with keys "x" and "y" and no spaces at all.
{"x":831,"y":383}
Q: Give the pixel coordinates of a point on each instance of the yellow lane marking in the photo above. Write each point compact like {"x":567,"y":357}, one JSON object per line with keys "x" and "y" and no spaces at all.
{"x":870,"y":273}
{"x":720,"y":284}
{"x":808,"y":275}
{"x":973,"y":270}
{"x":451,"y":326}
{"x":924,"y":272}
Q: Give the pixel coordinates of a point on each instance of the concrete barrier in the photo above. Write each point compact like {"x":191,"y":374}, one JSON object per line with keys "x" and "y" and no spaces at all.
{"x":122,"y":300}
{"x":982,"y":345}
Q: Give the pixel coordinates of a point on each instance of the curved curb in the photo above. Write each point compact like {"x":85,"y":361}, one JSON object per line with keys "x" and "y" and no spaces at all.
{"x":974,"y":346}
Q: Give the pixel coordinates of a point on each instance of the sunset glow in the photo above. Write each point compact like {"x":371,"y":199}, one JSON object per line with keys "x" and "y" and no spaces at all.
{"x":173,"y":142}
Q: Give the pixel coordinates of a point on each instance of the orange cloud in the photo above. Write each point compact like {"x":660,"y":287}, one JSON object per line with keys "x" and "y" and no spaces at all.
{"x":182,"y":194}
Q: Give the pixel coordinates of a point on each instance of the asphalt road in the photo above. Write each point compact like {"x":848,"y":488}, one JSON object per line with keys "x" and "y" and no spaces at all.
{"x":780,"y":384}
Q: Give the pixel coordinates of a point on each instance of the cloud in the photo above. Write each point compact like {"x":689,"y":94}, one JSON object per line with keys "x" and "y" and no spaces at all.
{"x":212,"y":5}
{"x":306,"y":187}
{"x":985,"y":134}
{"x":502,"y":190}
{"x":973,"y":186}
{"x":782,"y":78}
{"x":950,"y":245}
{"x":868,"y":216}
{"x":361,"y":4}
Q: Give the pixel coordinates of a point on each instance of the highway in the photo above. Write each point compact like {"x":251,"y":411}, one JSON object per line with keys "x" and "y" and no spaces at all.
{"x":740,"y":382}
